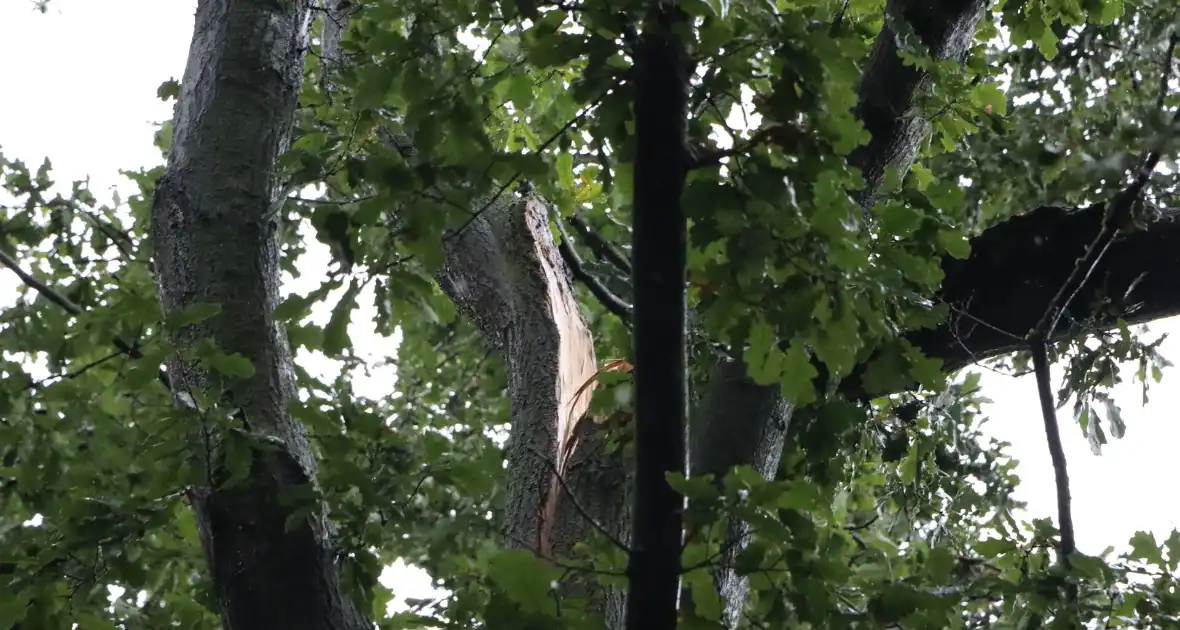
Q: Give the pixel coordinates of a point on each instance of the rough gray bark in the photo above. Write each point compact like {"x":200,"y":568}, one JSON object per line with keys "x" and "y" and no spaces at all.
{"x":504,"y":271}
{"x":215,"y":242}
{"x":888,"y":87}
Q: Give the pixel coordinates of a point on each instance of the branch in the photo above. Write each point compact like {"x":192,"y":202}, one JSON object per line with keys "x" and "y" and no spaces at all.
{"x":73,"y":309}
{"x":712,"y":157}
{"x":1120,"y":213}
{"x":1015,"y":268}
{"x":601,"y":247}
{"x":1067,"y":545}
{"x":612,"y":302}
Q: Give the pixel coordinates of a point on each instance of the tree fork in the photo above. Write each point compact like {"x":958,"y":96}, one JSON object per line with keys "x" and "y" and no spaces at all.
{"x":659,"y":243}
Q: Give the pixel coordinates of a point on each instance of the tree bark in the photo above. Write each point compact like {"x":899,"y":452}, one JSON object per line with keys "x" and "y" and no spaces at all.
{"x":504,"y":271}
{"x":215,"y":242}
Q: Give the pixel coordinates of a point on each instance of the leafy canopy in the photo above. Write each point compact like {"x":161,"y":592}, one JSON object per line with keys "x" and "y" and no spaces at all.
{"x":898,"y":514}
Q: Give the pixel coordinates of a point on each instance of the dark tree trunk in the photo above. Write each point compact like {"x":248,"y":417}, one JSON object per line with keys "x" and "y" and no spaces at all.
{"x":659,"y":253}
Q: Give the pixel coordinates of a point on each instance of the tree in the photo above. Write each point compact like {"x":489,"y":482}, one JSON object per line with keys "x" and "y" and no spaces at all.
{"x":918,"y":190}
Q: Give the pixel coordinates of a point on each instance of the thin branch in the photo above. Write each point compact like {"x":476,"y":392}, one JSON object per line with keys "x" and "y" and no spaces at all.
{"x":1166,"y":71}
{"x":73,"y":309}
{"x":601,"y":247}
{"x":706,"y":157}
{"x":1068,"y":545}
{"x":79,"y":371}
{"x":612,"y":302}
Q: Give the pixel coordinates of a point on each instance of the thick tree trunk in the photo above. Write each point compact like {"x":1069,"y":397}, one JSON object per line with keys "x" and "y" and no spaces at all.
{"x":216,"y":243}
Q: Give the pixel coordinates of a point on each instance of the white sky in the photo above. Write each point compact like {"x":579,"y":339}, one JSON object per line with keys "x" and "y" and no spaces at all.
{"x":78,"y":85}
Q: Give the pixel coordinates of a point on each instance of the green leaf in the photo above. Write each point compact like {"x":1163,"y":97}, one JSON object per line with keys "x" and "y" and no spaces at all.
{"x":701,"y":487}
{"x":706,"y":600}
{"x":994,"y":547}
{"x":336,"y":338}
{"x":990,"y":96}
{"x":239,"y":458}
{"x":762,"y":356}
{"x":524,"y":578}
{"x":13,"y":608}
{"x":797,"y":374}
{"x":141,"y":373}
{"x":887,"y":372}
{"x":1144,"y":547}
{"x":565,"y":171}
{"x":234,"y":365}
{"x":1108,"y":12}
{"x":519,"y":90}
{"x":926,"y":370}
{"x":910,"y":466}
{"x":940,"y":562}
{"x":955,"y":243}
{"x":168,"y":90}
{"x":192,"y":314}
{"x":1172,"y":544}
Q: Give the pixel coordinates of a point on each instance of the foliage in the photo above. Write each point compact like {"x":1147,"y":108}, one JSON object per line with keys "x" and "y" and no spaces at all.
{"x":895,"y":512}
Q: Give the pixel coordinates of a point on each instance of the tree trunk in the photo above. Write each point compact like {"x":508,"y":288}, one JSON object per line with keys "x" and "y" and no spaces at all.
{"x":216,"y":242}
{"x":659,"y":250}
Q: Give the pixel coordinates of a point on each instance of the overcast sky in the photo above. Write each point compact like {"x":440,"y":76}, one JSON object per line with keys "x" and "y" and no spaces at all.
{"x":78,"y":85}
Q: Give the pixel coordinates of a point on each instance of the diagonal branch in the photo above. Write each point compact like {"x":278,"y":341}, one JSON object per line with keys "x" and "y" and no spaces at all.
{"x":601,"y":247}
{"x":610,"y":301}
{"x":73,"y":309}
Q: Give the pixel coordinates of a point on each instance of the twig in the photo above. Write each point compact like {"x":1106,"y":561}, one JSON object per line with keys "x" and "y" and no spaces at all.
{"x":1166,"y":71}
{"x":73,"y":309}
{"x":703,"y":158}
{"x":612,"y":302}
{"x":540,"y":149}
{"x":601,"y":247}
{"x":80,"y":371}
{"x":574,"y":500}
